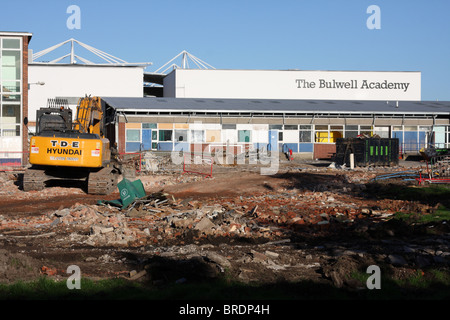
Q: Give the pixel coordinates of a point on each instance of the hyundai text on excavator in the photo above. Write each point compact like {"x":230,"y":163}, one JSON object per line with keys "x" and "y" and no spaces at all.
{"x":73,"y":150}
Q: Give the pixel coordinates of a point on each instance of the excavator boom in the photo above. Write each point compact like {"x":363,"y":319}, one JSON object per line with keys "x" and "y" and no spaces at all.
{"x":89,"y":116}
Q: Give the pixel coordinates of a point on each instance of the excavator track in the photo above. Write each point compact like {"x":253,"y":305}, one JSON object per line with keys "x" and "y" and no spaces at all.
{"x":34,"y":179}
{"x":103,"y":181}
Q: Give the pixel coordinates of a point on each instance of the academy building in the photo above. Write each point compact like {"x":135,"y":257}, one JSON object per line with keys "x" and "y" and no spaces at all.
{"x":190,"y":105}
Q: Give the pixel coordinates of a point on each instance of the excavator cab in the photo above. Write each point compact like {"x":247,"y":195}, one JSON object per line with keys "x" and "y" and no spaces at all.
{"x":53,"y":120}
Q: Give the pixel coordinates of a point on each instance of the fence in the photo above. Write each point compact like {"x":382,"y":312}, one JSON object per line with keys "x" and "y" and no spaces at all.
{"x":411,"y":148}
{"x":198,"y":163}
{"x":437,"y":170}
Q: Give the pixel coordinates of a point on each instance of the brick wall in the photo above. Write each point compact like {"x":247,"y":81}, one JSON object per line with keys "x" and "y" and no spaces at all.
{"x":121,"y":137}
{"x":25,"y":99}
{"x":324,"y":150}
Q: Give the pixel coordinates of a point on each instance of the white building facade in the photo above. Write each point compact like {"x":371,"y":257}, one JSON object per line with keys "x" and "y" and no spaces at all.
{"x":293,"y":84}
{"x":74,"y":81}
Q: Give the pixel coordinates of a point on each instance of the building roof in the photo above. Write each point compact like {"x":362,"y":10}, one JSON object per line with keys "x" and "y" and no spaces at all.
{"x":16,"y":34}
{"x":278,"y":106}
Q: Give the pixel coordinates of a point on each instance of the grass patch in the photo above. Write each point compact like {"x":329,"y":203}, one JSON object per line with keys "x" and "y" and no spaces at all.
{"x":47,"y":289}
{"x":432,"y":194}
{"x":439,"y":215}
{"x":121,"y":289}
{"x":431,"y":284}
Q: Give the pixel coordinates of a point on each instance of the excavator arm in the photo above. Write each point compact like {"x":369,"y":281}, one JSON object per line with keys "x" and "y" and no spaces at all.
{"x":89,"y":116}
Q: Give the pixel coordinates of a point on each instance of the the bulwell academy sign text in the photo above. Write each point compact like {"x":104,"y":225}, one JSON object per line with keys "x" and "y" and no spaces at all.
{"x":352,"y":84}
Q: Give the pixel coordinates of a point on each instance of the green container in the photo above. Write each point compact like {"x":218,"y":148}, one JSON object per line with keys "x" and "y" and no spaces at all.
{"x":130,"y":191}
{"x":368,"y":151}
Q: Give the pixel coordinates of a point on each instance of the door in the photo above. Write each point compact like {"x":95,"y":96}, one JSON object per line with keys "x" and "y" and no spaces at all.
{"x":146,"y":139}
{"x":273,"y":140}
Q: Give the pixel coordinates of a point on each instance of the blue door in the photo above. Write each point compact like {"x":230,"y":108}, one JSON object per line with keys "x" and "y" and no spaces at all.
{"x":146,"y":139}
{"x":273,"y":140}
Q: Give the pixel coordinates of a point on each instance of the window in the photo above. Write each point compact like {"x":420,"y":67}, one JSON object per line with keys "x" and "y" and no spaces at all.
{"x":382,"y":132}
{"x":181,"y":135}
{"x":165,"y":135}
{"x":321,"y":134}
{"x":11,"y":43}
{"x":10,"y":130}
{"x":10,"y":86}
{"x":305,"y":133}
{"x":149,"y":126}
{"x":336,"y":132}
{"x":275,"y":127}
{"x":290,"y":127}
{"x":244,"y":135}
{"x":351,"y":131}
{"x":229,"y":126}
{"x":197,"y":136}
{"x":11,"y":66}
{"x":133,"y":135}
{"x":328,"y":134}
{"x":366,"y":130}
{"x":10,"y":95}
{"x":426,"y":128}
{"x":11,"y":113}
{"x":410,"y":128}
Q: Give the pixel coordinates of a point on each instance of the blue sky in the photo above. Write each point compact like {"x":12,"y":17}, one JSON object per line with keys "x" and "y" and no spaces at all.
{"x":250,"y":34}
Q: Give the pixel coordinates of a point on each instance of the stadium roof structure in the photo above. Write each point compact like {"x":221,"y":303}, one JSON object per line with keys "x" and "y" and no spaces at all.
{"x":183,"y":60}
{"x":106,"y":58}
{"x":270,"y":106}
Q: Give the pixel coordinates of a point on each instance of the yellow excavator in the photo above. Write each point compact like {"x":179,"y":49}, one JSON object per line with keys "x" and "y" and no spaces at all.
{"x":73,"y":150}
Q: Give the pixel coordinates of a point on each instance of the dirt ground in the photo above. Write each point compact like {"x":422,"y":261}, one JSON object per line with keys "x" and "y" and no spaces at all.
{"x":307,"y":222}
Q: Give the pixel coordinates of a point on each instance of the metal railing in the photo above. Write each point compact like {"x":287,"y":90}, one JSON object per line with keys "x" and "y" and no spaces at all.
{"x":409,"y":148}
{"x":437,"y":170}
{"x":198,"y":163}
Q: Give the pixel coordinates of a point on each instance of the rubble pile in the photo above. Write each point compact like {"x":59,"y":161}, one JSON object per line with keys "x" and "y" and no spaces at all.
{"x":7,"y":182}
{"x":252,"y":227}
{"x":161,"y":181}
{"x":102,"y":226}
{"x":159,"y":218}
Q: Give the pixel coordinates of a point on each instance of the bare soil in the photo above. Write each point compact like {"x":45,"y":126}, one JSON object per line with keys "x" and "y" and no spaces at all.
{"x":313,"y":224}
